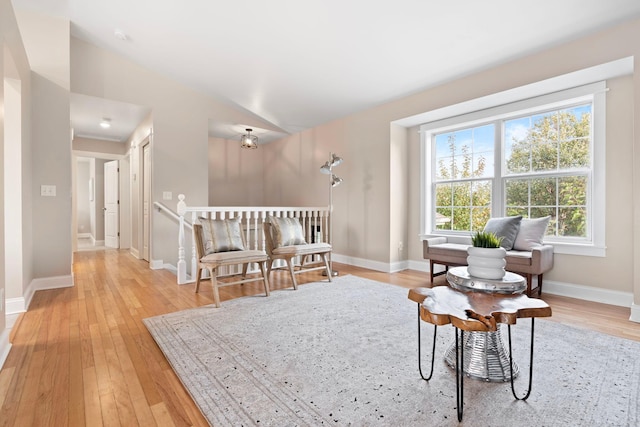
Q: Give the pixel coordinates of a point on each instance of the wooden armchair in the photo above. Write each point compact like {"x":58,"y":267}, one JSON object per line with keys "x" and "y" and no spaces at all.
{"x":290,"y":249}
{"x":219,"y":257}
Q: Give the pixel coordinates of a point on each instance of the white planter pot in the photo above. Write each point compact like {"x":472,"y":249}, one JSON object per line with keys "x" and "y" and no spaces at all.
{"x":486,"y":263}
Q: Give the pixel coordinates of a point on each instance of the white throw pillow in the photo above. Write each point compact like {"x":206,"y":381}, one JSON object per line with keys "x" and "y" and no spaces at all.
{"x":531,"y":233}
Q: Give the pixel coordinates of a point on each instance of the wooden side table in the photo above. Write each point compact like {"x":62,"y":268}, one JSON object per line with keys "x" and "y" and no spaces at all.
{"x":474,"y":312}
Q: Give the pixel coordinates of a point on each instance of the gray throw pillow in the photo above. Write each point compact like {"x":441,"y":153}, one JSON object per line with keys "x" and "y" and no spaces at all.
{"x":221,"y":235}
{"x":286,"y":232}
{"x":505,"y":227}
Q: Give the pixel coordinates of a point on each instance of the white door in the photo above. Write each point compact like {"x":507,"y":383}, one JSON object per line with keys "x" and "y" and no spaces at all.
{"x":111,"y":205}
{"x":146,"y":200}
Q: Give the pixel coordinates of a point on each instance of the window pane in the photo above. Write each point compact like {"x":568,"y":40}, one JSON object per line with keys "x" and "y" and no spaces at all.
{"x":466,"y":153}
{"x":443,"y":218}
{"x":544,"y":156}
{"x":517,"y":192}
{"x":479,"y":217}
{"x":444,"y":194}
{"x":544,"y":128}
{"x":551,"y":141}
{"x":517,"y":145}
{"x":462,"y":194}
{"x":543,"y":192}
{"x":481,"y":193}
{"x":461,"y":219}
{"x":518,"y":210}
{"x":462,"y":206}
{"x":573,"y":191}
{"x":574,"y":153}
{"x":572,"y":222}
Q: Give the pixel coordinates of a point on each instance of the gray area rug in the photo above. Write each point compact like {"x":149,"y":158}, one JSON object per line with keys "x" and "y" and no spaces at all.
{"x":345,"y":353}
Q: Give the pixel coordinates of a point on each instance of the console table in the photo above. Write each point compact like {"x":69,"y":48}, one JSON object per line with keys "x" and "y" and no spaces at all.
{"x":474,"y":311}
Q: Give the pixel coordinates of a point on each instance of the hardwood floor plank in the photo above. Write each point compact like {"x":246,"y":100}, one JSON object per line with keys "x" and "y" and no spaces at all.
{"x":75,"y":399}
{"x":92,"y":411}
{"x":84,"y":356}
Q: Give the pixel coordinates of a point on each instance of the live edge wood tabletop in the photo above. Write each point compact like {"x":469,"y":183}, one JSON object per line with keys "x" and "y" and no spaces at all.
{"x":475,"y":311}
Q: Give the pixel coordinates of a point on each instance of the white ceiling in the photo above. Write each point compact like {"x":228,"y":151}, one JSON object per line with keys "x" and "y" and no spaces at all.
{"x":298,"y":64}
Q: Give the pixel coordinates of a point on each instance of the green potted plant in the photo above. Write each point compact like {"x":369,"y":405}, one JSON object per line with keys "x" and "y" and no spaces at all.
{"x":485,"y":240}
{"x":486,"y":257}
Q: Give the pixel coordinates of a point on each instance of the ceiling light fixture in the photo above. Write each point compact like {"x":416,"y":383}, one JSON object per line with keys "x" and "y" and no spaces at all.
{"x":248,"y":140}
{"x":120,"y":35}
{"x":105,"y":123}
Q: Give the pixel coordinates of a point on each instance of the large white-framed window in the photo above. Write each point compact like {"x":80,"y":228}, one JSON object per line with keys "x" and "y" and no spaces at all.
{"x":543,"y":156}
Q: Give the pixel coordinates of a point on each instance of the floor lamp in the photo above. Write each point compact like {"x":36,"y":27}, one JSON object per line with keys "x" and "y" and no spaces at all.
{"x":334,"y":181}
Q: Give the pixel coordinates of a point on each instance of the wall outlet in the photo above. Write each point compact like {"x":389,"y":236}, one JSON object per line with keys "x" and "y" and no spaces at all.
{"x":400,"y":247}
{"x":48,"y":190}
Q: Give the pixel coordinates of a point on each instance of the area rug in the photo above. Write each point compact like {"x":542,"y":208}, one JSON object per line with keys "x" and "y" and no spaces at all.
{"x":345,"y":354}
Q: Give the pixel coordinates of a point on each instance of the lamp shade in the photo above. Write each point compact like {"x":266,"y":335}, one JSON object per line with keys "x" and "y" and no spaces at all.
{"x":249,"y":141}
{"x":326,"y":168}
{"x":335,"y":180}
{"x":335,"y":160}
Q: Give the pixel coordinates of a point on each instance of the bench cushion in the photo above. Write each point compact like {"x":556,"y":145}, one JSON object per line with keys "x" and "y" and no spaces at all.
{"x":235,"y":257}
{"x":309,"y":248}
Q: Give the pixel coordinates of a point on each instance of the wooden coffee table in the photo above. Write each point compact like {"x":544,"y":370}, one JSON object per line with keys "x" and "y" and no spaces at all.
{"x":474,"y":311}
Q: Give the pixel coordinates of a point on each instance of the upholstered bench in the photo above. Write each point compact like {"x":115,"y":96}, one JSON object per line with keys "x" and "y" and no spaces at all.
{"x":535,"y":261}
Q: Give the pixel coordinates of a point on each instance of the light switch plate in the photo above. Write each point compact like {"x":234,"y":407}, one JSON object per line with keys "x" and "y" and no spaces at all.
{"x":167,"y":195}
{"x":48,"y":190}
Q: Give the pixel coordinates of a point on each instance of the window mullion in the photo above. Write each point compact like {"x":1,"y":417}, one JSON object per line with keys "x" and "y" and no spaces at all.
{"x":497,"y":196}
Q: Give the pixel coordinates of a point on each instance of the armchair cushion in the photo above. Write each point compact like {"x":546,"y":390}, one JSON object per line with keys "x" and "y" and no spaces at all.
{"x":221,"y":235}
{"x":287,"y":232}
{"x":505,"y":227}
{"x":531,"y":233}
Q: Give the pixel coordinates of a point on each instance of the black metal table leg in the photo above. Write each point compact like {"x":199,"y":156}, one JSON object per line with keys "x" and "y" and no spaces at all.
{"x":459,"y":373}
{"x":433,"y":352}
{"x":526,"y":396}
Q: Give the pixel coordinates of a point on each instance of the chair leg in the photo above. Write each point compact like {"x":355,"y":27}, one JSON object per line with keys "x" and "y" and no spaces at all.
{"x":265,"y":278}
{"x":540,"y":285}
{"x":269,"y":266}
{"x":431,"y":265}
{"x":327,"y":266}
{"x":529,"y":278}
{"x":293,"y":274}
{"x":214,"y":283}
{"x":198,"y":274}
{"x":245,"y":266}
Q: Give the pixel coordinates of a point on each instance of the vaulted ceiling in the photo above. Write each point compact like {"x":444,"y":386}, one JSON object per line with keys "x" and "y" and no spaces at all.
{"x":300,"y":63}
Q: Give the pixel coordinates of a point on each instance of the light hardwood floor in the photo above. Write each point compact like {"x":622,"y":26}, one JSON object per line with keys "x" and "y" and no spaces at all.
{"x":82,"y":356}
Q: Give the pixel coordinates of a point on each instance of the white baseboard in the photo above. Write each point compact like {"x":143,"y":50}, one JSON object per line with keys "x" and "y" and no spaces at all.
{"x":364,"y":263}
{"x":419,"y":266}
{"x":135,"y":253}
{"x":85,"y":236}
{"x":156,"y":264}
{"x":15,"y":306}
{"x":635,"y":313}
{"x":5,"y":346}
{"x":587,"y":293}
{"x":171,"y":268}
